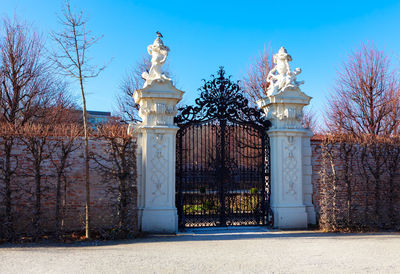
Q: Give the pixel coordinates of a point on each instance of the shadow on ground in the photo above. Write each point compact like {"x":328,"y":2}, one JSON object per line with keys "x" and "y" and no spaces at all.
{"x":212,"y":234}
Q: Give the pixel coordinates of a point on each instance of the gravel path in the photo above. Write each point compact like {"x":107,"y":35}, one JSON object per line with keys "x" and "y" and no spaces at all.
{"x":217,"y":251}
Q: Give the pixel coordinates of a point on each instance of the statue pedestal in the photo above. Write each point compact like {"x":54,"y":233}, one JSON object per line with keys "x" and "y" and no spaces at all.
{"x":291,"y":189}
{"x":156,"y":157}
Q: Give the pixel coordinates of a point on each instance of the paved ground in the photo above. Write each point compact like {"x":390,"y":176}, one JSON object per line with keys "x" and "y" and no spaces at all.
{"x":250,"y":250}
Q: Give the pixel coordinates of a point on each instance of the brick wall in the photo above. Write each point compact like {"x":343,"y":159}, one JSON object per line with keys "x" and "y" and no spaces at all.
{"x":354,"y":200}
{"x":104,"y":192}
{"x":331,"y":201}
{"x":316,"y":167}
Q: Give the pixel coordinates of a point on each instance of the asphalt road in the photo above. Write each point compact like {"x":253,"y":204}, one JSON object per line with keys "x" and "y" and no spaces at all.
{"x":250,"y":250}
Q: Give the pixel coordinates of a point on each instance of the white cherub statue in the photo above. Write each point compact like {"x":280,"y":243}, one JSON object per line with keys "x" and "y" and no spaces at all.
{"x":159,"y":54}
{"x":280,"y":76}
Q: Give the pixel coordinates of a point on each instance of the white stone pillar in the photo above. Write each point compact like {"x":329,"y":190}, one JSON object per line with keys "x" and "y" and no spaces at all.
{"x":156,"y":157}
{"x":291,"y":189}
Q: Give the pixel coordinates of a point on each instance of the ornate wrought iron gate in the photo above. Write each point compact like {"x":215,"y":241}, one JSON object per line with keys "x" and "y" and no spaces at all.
{"x":222,"y":159}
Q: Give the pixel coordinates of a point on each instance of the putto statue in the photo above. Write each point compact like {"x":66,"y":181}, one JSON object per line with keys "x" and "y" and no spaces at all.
{"x":281,"y":77}
{"x":159,"y":54}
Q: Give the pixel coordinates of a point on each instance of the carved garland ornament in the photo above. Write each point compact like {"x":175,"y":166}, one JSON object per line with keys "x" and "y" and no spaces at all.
{"x":159,"y":171}
{"x":290,"y":166}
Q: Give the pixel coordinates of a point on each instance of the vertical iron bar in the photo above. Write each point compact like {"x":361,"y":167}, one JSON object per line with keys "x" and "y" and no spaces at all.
{"x":180,"y":181}
{"x":263,"y":176}
{"x":222,"y":173}
{"x":193,"y":172}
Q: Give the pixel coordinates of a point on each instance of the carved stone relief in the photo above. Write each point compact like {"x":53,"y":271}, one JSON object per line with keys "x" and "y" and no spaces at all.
{"x":159,"y":172}
{"x":290,"y":167}
{"x":286,"y":116}
{"x":158,"y":114}
{"x":163,"y":113}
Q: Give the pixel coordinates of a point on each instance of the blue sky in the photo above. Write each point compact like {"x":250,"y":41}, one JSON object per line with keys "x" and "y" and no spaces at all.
{"x":204,"y":35}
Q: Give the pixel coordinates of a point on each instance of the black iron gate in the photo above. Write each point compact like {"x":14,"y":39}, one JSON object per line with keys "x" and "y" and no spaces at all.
{"x":222,"y":159}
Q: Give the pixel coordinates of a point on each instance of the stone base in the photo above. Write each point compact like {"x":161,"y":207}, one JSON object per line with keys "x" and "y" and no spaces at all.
{"x":159,"y":220}
{"x":312,"y":218}
{"x":290,"y":217}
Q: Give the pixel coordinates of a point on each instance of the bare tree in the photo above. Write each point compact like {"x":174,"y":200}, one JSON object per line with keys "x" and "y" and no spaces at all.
{"x":8,"y":168}
{"x":63,"y":143}
{"x":392,"y":162}
{"x":127,"y":107}
{"x":24,"y":90}
{"x":309,"y":120}
{"x":118,"y":164}
{"x":358,"y":186}
{"x":255,"y":83}
{"x":23,"y":73}
{"x":366,"y":99}
{"x":365,"y":104}
{"x":35,"y":137}
{"x":62,"y":107}
{"x":74,"y":42}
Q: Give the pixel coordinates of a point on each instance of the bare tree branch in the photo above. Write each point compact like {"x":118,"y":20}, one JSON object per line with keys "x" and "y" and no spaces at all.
{"x":255,"y":83}
{"x":366,"y":99}
{"x":74,"y":42}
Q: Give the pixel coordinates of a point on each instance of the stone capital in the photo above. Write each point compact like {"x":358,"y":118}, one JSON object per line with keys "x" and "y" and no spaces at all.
{"x":285,"y":109}
{"x":157,"y":103}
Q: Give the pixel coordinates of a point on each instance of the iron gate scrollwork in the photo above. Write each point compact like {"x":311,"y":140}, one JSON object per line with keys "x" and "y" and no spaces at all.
{"x":223,"y":165}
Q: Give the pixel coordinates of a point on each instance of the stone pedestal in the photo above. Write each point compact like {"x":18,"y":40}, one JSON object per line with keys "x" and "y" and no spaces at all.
{"x":291,"y":189}
{"x":156,"y":157}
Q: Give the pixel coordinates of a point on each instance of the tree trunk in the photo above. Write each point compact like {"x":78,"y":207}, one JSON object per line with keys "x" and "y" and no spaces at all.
{"x":8,"y":144}
{"x":60,"y":173}
{"x":64,"y":204}
{"x":36,"y":220}
{"x":87,"y":178}
{"x":58,"y":202}
{"x":123,"y":203}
